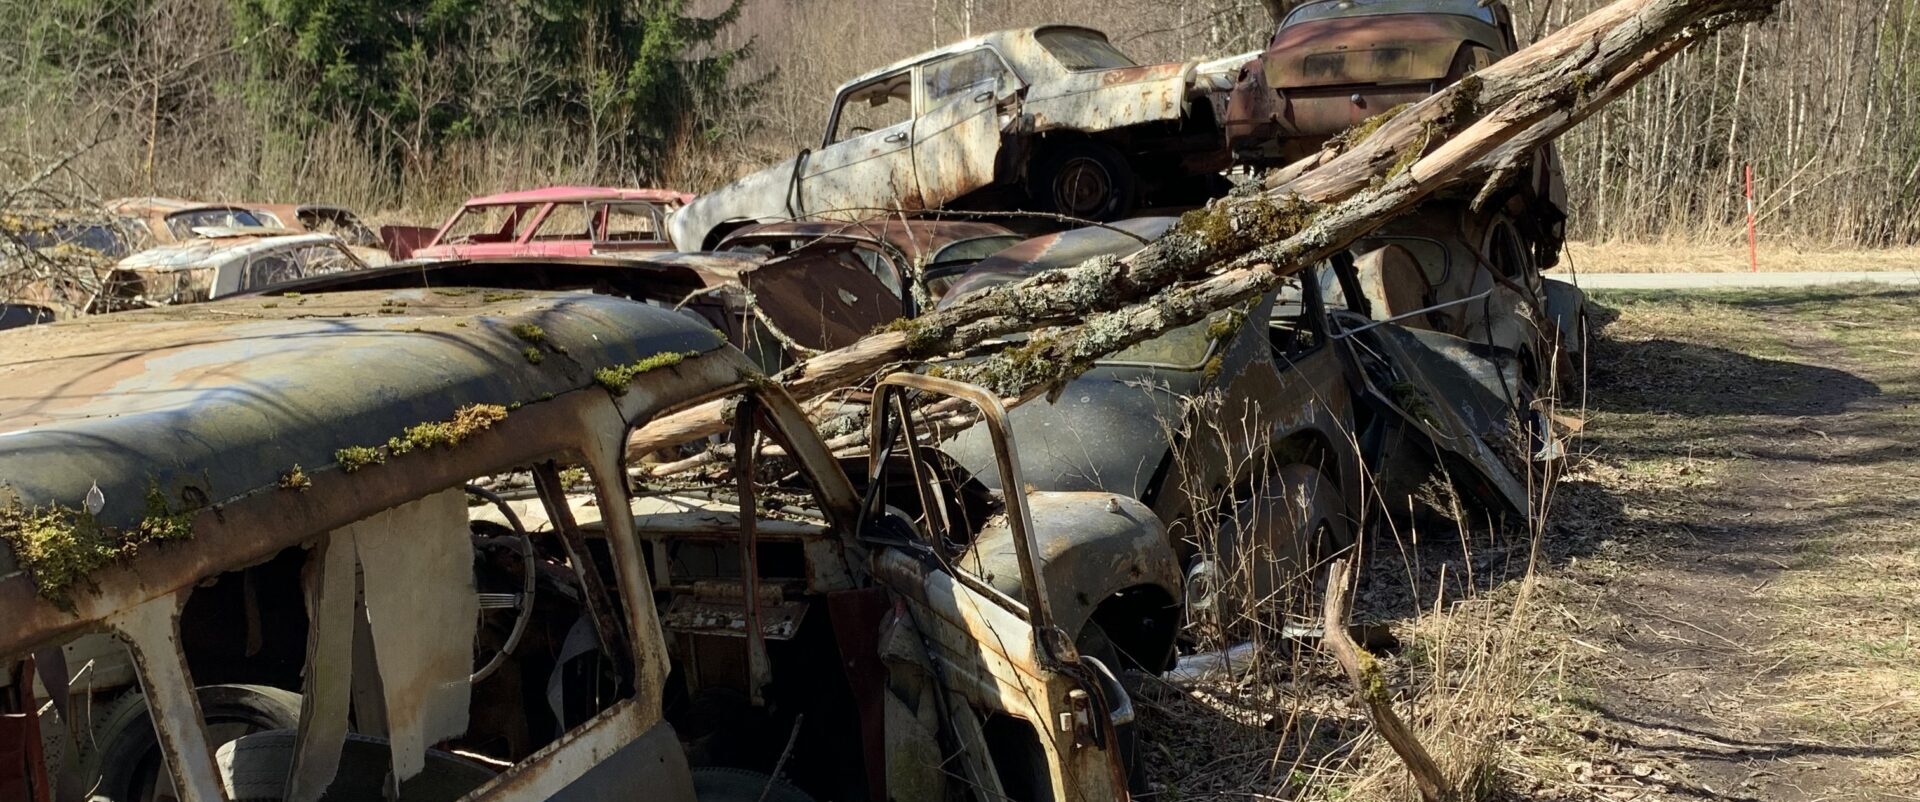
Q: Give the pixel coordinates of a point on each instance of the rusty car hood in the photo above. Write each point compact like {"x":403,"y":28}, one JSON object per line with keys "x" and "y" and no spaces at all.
{"x":226,"y":397}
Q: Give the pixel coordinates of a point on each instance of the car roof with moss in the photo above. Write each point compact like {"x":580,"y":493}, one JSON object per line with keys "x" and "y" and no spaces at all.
{"x":222,"y":399}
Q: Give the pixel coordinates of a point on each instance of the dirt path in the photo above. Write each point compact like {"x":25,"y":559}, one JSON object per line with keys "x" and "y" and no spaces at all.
{"x":1740,"y":560}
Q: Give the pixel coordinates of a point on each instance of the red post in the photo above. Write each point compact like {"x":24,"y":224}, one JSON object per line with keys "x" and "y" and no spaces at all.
{"x":1753,"y":241}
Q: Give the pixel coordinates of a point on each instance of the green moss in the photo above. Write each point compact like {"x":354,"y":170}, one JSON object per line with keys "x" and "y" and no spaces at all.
{"x":1213,"y":367}
{"x":1236,"y":227}
{"x":295,"y":479}
{"x":467,"y":421}
{"x":1352,"y":137}
{"x":1034,"y":363}
{"x":270,"y":305}
{"x":533,"y":355}
{"x":353,"y":458}
{"x":619,"y":377}
{"x":529,"y":332}
{"x":289,"y":295}
{"x":1410,"y":398}
{"x":455,"y":292}
{"x":497,"y":297}
{"x":61,"y":546}
{"x":573,"y":476}
{"x":1582,"y":84}
{"x":923,"y":340}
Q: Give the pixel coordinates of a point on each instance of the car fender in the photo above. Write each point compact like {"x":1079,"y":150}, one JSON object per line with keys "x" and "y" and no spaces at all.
{"x":1089,"y":546}
{"x":1104,"y":100}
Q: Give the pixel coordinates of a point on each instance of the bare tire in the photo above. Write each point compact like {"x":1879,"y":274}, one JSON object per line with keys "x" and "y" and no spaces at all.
{"x":129,"y":766}
{"x":1085,"y":180}
{"x":741,"y":785}
{"x":1276,"y":543}
{"x":254,"y":769}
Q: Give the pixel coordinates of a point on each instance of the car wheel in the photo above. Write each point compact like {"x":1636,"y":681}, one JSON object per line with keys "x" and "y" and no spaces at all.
{"x":129,"y":767}
{"x":1275,"y":545}
{"x":1085,"y":180}
{"x":254,"y":769}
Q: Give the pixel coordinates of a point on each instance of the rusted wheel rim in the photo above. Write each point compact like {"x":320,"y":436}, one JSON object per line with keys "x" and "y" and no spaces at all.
{"x":1083,"y":187}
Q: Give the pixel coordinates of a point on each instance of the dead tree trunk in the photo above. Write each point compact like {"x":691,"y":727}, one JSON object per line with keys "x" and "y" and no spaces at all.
{"x":1243,"y":246}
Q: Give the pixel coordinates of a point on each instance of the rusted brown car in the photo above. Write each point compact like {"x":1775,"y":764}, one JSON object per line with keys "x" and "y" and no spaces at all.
{"x":1054,"y":118}
{"x":1471,"y":269}
{"x":363,"y":544}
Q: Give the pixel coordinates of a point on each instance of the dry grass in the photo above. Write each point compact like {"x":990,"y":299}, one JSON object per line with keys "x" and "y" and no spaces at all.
{"x":1468,"y":660}
{"x":1728,"y":255}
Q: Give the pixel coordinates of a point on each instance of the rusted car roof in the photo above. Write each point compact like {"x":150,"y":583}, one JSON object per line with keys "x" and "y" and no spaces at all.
{"x":1017,"y":45}
{"x":918,"y":240}
{"x":577,"y":193}
{"x":227,"y":396}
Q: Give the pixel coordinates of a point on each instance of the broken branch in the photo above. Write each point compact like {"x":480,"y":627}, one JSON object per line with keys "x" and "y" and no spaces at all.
{"x":1371,"y":683}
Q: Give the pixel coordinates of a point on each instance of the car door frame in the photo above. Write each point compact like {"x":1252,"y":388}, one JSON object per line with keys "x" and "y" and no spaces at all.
{"x":974,"y":630}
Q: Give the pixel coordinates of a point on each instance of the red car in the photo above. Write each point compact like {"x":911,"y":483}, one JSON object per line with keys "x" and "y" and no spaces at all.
{"x":556,"y":221}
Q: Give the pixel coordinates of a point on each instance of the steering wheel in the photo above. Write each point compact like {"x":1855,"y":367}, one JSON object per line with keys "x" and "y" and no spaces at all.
{"x":522,"y":601}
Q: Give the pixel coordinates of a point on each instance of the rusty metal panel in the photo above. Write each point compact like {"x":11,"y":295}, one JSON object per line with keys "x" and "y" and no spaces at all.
{"x":152,"y":632}
{"x":327,"y":695}
{"x":1107,"y":99}
{"x":824,"y":297}
{"x":417,"y":563}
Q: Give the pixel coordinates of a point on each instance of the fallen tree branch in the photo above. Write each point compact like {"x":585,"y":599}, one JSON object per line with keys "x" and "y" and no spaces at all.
{"x":1371,"y":684}
{"x":1244,"y":245}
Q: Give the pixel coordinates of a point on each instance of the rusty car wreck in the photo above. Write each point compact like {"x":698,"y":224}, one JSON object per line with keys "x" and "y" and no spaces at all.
{"x":297,"y":521}
{"x":1053,"y":118}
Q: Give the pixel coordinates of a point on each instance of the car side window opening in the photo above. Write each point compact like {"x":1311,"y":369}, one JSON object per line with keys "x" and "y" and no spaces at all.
{"x":879,"y":104}
{"x":488,"y":223}
{"x":960,"y":77}
{"x":1079,"y":50}
{"x":268,"y":269}
{"x":566,"y":221}
{"x":629,"y":222}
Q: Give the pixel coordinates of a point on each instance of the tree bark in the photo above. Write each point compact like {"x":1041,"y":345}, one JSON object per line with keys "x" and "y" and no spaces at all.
{"x":1244,"y":245}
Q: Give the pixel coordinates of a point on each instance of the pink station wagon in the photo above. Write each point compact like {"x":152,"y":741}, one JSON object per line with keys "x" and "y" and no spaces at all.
{"x":557,"y":221}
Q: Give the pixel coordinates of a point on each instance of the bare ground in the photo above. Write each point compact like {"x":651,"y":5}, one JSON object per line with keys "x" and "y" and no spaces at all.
{"x":1724,"y":603}
{"x":1745,"y":628}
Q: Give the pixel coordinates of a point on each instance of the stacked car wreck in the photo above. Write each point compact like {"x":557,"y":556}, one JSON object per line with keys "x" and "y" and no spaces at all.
{"x":436,"y":529}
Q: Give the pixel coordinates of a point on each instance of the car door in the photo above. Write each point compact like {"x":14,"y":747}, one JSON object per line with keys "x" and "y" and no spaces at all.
{"x":999,"y":651}
{"x":865,"y":163}
{"x":956,"y":138}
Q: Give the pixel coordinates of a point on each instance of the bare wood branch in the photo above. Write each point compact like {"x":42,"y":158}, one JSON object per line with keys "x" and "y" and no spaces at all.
{"x":1371,"y":684}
